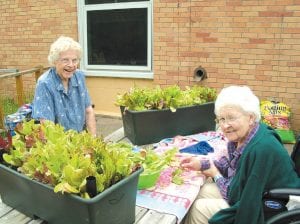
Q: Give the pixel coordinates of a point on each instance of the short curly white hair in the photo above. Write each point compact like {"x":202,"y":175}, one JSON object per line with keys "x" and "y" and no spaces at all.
{"x":60,"y":45}
{"x":241,"y":97}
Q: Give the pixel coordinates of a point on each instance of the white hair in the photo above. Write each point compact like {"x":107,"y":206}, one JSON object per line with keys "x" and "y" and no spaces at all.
{"x":60,"y":45}
{"x":241,"y":97}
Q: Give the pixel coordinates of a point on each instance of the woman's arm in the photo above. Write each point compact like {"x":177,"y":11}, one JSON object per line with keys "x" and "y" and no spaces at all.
{"x":91,"y":121}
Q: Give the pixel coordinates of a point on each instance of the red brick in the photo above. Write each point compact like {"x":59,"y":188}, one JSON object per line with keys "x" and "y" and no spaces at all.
{"x":252,"y":42}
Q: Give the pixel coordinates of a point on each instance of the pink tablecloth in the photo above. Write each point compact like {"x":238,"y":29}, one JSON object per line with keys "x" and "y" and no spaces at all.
{"x":171,"y":198}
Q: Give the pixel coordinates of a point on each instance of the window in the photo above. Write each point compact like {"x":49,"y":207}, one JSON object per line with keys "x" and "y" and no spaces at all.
{"x":116,"y":36}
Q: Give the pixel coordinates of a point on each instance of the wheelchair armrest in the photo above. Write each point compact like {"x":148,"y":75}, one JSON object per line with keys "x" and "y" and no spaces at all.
{"x":281,"y":193}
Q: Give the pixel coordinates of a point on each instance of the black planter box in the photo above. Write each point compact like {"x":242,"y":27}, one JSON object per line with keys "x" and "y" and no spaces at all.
{"x":115,"y":205}
{"x":145,"y":127}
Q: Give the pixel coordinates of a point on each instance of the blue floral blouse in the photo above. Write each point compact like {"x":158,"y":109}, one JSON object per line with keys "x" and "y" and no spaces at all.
{"x":53,"y":102}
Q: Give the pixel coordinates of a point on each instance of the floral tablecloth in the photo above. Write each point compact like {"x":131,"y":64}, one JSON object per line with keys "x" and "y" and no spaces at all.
{"x":168,"y":197}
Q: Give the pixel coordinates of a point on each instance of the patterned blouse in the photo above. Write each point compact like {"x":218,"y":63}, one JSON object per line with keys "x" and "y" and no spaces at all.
{"x":227,"y":166}
{"x":66,"y":107}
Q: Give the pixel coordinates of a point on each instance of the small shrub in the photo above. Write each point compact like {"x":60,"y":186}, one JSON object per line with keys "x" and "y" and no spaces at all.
{"x":9,"y":105}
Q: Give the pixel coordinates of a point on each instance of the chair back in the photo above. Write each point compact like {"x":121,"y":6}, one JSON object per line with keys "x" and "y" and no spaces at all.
{"x":296,"y":155}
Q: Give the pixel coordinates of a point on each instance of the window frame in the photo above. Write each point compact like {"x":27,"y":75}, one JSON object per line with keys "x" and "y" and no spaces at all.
{"x":114,"y":70}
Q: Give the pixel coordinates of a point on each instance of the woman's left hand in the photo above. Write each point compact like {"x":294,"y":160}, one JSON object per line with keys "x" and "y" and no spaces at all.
{"x":192,"y":163}
{"x":212,"y":171}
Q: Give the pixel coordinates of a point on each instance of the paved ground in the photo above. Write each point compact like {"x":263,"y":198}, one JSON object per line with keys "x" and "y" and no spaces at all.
{"x":107,"y":124}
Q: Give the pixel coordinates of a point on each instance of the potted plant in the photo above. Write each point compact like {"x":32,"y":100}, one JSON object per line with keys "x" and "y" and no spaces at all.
{"x":68,"y":177}
{"x":151,"y":114}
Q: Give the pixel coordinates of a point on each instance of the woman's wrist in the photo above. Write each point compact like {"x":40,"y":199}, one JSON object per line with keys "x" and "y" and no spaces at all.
{"x":217,"y":177}
{"x":204,"y":164}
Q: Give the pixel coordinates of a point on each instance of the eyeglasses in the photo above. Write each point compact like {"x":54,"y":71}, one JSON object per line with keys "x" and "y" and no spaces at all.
{"x":67,"y":61}
{"x":227,"y":120}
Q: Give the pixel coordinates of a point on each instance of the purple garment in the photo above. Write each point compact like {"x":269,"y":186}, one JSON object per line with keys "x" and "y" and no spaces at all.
{"x":228,"y":166}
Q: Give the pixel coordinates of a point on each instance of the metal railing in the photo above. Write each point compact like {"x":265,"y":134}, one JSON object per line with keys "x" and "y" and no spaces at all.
{"x":38,"y":71}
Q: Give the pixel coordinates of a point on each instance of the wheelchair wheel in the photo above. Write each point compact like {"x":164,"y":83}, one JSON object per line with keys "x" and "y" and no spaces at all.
{"x":288,"y":217}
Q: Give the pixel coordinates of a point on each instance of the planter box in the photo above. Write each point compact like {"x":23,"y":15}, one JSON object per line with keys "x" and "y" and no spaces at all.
{"x":114,"y":205}
{"x":144,"y":127}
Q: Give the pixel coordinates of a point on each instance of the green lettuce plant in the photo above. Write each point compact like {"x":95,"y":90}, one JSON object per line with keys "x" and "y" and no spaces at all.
{"x":65,"y":159}
{"x":172,"y":97}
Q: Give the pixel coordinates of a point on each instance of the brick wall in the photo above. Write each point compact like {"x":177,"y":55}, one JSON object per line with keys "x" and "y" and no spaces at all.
{"x":27,"y":28}
{"x":253,"y":43}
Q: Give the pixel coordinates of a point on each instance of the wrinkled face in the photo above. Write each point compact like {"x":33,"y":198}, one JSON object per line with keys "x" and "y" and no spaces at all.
{"x":66,"y":64}
{"x":235,"y":123}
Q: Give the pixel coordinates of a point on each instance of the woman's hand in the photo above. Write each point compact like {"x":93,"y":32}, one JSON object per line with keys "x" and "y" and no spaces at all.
{"x":91,"y":121}
{"x":212,"y":171}
{"x":192,"y":163}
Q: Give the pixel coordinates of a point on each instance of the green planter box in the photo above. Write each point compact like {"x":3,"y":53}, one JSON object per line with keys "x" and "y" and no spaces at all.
{"x":114,"y":205}
{"x":145,"y":127}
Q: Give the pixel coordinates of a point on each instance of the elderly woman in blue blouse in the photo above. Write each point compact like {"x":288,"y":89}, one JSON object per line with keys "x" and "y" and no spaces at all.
{"x":256,"y":161}
{"x":61,"y":94}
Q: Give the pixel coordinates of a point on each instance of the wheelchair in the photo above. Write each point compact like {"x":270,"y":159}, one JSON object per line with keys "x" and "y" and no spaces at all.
{"x":275,"y":200}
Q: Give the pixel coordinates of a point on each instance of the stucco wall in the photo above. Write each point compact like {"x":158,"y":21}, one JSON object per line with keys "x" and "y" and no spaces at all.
{"x":105,"y":90}
{"x":253,"y":43}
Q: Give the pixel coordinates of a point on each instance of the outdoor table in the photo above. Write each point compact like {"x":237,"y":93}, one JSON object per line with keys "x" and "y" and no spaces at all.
{"x":10,"y":215}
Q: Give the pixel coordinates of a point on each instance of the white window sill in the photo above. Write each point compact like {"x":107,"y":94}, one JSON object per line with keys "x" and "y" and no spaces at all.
{"x":119,"y":74}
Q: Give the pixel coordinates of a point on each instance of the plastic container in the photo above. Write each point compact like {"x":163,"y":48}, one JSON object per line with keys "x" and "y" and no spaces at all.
{"x":287,"y":136}
{"x":12,"y":120}
{"x":147,"y":180}
{"x":114,"y":205}
{"x":151,"y":126}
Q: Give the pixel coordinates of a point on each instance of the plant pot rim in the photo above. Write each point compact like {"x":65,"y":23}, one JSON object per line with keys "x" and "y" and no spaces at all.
{"x":165,"y":109}
{"x":98,"y":197}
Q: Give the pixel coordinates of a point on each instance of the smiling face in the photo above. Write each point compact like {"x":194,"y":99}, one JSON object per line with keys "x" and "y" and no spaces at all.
{"x":67,"y":64}
{"x":235,"y":123}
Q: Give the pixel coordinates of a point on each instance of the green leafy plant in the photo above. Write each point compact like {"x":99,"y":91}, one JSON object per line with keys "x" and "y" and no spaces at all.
{"x":152,"y":161}
{"x":10,"y":105}
{"x":64,"y":160}
{"x":176,"y":176}
{"x":172,"y":97}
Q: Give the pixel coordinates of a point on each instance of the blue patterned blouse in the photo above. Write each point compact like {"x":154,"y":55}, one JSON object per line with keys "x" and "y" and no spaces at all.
{"x":53,"y":102}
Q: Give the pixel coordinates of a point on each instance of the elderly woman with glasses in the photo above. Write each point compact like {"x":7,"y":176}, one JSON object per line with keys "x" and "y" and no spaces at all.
{"x":61,"y":94}
{"x":256,"y":161}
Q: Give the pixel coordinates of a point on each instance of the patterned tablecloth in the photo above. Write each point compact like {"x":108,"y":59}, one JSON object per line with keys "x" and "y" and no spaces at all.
{"x":168,"y":197}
